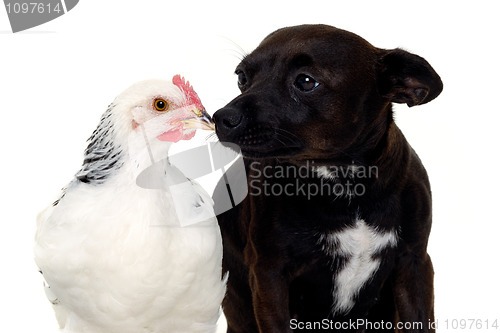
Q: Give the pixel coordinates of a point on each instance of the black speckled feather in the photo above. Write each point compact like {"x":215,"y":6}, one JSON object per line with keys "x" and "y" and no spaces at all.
{"x":101,"y":157}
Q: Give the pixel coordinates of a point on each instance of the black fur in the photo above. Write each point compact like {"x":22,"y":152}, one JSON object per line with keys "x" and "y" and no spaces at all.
{"x":272,"y":242}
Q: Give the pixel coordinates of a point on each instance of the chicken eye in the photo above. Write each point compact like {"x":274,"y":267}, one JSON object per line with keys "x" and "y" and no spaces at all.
{"x":305,"y":83}
{"x":161,"y":105}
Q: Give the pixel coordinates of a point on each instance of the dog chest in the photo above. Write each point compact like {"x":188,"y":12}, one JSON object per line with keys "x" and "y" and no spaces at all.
{"x":356,"y":248}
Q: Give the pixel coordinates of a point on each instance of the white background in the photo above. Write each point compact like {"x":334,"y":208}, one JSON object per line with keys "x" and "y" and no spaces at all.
{"x":56,"y":80}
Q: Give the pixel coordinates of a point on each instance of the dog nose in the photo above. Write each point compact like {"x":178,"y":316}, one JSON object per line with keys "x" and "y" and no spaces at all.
{"x":227,"y":120}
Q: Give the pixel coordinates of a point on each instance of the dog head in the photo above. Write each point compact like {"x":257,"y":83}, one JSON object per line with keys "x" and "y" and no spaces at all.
{"x":314,"y":91}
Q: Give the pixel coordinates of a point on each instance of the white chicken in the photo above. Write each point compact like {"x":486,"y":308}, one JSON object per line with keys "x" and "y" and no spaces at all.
{"x":118,"y":256}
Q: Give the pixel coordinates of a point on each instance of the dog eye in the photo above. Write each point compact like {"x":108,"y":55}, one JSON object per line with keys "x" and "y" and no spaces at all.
{"x":305,"y":83}
{"x":242,"y":78}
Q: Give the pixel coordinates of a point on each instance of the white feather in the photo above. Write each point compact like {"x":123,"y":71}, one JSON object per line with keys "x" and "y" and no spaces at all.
{"x":116,"y":258}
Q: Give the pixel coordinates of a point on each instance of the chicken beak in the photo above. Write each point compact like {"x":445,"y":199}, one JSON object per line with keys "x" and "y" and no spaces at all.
{"x":201,"y":119}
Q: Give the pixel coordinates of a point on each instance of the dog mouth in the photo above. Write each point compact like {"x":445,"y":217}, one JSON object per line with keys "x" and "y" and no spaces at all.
{"x":255,"y":136}
{"x":262,"y":141}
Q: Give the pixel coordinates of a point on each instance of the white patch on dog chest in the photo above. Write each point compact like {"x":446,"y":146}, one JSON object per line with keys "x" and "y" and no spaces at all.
{"x":358,"y":245}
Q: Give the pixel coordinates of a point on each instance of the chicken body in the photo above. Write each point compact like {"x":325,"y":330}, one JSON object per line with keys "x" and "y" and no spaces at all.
{"x":116,"y":255}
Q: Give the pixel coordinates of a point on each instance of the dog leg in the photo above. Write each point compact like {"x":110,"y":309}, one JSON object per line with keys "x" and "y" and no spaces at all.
{"x":413,"y":292}
{"x":270,"y":298}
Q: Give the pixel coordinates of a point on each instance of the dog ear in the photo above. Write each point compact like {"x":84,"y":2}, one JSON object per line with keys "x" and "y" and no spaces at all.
{"x":404,"y":77}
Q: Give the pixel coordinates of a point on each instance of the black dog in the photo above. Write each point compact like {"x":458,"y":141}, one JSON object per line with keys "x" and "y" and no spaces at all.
{"x":333,"y":234}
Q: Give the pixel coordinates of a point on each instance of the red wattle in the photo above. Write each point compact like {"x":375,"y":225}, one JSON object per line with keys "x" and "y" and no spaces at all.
{"x":176,"y":134}
{"x":172,"y":135}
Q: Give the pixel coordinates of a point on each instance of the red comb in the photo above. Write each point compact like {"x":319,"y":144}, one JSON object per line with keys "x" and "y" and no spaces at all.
{"x":184,"y":85}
